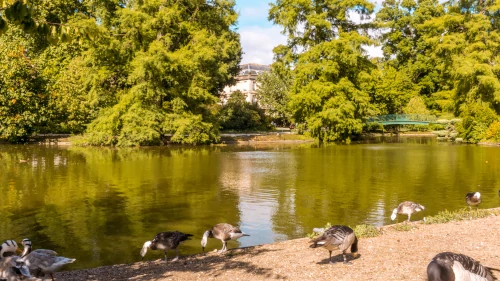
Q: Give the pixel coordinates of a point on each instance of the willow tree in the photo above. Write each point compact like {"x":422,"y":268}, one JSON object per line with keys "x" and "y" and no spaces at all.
{"x":333,"y":80}
{"x":180,"y":54}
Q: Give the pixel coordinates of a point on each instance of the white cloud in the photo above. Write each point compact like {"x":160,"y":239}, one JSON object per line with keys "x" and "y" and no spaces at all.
{"x":258,"y":43}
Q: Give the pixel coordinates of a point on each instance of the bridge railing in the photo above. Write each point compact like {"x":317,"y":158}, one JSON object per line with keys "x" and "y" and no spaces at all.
{"x":402,"y":117}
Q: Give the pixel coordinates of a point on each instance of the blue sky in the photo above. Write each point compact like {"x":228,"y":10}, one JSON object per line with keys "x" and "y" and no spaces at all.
{"x":259,"y":36}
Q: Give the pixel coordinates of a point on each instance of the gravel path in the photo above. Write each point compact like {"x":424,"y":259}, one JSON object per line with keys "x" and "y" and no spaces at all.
{"x":394,"y":255}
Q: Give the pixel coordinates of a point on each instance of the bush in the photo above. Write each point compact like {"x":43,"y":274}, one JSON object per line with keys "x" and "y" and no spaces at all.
{"x":493,"y":132}
{"x":238,"y":114}
{"x":365,"y":231}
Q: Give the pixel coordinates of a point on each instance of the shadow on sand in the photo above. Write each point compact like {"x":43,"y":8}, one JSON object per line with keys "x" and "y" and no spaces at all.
{"x":211,"y":265}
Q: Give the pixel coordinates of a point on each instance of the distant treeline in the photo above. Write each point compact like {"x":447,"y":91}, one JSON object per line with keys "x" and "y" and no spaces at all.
{"x":138,"y":72}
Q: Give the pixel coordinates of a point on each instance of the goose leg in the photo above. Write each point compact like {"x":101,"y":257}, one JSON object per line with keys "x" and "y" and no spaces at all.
{"x":409,"y":216}
{"x":345,"y":258}
{"x":165,"y":255}
{"x":177,"y":255}
{"x":330,"y":258}
{"x":52,"y":276}
{"x":224,"y":248}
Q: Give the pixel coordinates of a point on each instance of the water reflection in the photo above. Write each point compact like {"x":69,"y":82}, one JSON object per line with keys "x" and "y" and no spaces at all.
{"x":99,"y":205}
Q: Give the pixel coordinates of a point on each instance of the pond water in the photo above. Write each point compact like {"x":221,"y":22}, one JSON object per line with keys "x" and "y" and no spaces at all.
{"x":99,"y":205}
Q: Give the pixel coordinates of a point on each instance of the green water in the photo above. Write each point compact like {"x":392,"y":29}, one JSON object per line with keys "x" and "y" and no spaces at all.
{"x":99,"y":205}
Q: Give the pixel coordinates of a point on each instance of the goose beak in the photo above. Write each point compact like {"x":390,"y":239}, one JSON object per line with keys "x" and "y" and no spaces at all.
{"x":19,"y":250}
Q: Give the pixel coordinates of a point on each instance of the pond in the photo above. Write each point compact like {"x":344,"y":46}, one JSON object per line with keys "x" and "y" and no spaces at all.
{"x":99,"y":205}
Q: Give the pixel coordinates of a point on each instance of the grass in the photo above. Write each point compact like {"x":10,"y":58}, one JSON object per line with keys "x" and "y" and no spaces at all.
{"x":365,"y":231}
{"x":404,"y":227}
{"x":361,"y":231}
{"x":459,"y":215}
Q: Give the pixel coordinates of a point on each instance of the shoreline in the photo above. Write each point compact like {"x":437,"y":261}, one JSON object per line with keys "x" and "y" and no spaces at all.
{"x":393,"y":255}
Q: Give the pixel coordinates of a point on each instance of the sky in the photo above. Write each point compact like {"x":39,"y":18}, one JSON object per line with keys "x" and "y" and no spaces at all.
{"x":259,"y":36}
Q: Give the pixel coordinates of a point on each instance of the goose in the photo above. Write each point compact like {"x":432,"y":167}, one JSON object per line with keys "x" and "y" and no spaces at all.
{"x":8,"y":248}
{"x":337,"y":237}
{"x":10,"y":267}
{"x":224,"y":232}
{"x":407,"y":208}
{"x":473,"y":199}
{"x":169,"y":240}
{"x":46,"y":261}
{"x":449,"y":266}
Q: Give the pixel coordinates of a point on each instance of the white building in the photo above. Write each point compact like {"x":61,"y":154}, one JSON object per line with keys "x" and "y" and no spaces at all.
{"x":246,"y":82}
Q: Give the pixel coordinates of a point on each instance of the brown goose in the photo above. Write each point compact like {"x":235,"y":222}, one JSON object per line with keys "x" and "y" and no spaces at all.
{"x":224,"y":232}
{"x":473,"y":199}
{"x":168,"y":240}
{"x":449,"y":266}
{"x":337,"y":237}
{"x":407,"y":208}
{"x":41,"y":260}
{"x":10,"y":267}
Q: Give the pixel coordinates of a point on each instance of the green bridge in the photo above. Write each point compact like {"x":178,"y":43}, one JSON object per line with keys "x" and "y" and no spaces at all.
{"x":402,"y":119}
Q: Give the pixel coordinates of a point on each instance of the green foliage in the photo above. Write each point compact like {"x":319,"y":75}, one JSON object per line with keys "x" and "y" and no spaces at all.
{"x":404,"y":227}
{"x":273,"y":94}
{"x":458,"y":215}
{"x":366,"y":231}
{"x":238,"y":114}
{"x":23,"y":101}
{"x":493,"y":132}
{"x":476,"y":118}
{"x":333,"y":82}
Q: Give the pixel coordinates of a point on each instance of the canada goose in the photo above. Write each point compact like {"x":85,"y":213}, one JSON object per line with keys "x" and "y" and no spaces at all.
{"x":224,"y":232}
{"x":407,"y":208}
{"x":337,"y":237}
{"x":10,"y":267}
{"x":169,"y":240}
{"x":449,"y":266}
{"x":46,"y":261}
{"x":473,"y":199}
{"x":8,"y":248}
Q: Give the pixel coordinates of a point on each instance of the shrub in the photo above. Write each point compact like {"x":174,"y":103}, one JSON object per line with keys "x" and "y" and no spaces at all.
{"x":458,"y":215}
{"x":493,"y":132}
{"x":364,"y":231}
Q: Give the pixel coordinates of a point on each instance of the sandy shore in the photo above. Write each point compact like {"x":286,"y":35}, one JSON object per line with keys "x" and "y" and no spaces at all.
{"x":394,"y":255}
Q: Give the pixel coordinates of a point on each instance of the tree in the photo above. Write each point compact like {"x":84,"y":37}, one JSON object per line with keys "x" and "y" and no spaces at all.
{"x":178,"y":57}
{"x":273,"y":94}
{"x":238,"y":114}
{"x":333,"y":77}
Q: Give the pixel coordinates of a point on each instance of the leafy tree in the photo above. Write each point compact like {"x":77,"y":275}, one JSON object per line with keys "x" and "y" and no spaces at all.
{"x":23,"y":102}
{"x":333,"y":77}
{"x":273,"y":94}
{"x":180,"y":56}
{"x":238,"y":114}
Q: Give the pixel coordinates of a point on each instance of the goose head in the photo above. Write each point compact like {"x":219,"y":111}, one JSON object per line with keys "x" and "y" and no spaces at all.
{"x":8,"y":248}
{"x":394,"y":214}
{"x":204,"y":240}
{"x":145,"y":247}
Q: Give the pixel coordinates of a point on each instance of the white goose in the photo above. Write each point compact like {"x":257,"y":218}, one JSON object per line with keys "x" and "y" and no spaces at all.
{"x":449,"y":266}
{"x":42,"y":260}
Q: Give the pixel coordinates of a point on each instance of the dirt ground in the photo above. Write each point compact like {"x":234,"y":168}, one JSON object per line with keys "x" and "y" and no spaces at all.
{"x":394,"y":255}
